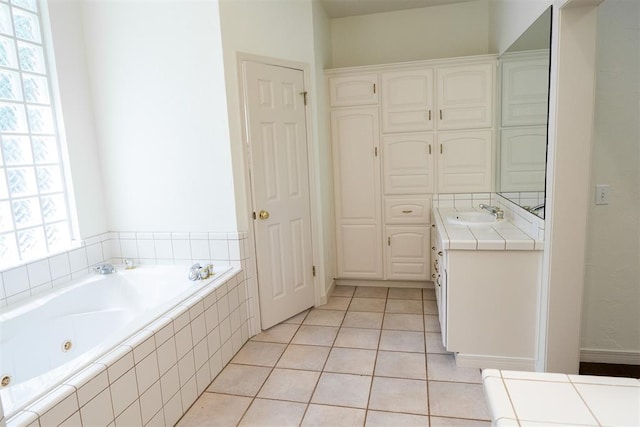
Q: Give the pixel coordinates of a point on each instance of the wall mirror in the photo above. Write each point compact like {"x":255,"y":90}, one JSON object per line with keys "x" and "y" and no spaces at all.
{"x":523,"y":100}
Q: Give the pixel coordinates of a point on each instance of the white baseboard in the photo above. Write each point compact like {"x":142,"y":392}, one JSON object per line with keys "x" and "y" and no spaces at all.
{"x":494,"y":362}
{"x":610,"y":356}
{"x":329,"y":292}
{"x":385,"y":283}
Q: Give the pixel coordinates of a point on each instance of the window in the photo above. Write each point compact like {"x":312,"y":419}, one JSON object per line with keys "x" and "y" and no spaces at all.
{"x":34,"y":213}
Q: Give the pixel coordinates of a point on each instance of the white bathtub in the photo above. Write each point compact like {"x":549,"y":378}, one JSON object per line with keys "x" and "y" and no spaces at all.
{"x":93,"y":314}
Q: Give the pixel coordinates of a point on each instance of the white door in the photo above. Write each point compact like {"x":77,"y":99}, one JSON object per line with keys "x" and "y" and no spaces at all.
{"x":276,"y":130}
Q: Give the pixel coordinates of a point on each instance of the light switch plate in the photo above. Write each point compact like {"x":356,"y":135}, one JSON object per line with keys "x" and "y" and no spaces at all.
{"x":603,"y":193}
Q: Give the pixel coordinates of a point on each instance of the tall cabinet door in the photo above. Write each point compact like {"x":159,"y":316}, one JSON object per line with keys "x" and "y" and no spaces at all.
{"x":355,"y":136}
{"x":464,"y":161}
{"x":465,"y":96}
{"x":407,"y":100}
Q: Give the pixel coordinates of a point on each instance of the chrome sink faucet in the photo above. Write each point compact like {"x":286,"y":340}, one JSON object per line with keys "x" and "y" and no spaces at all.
{"x":496,"y":211}
{"x":104,"y":269}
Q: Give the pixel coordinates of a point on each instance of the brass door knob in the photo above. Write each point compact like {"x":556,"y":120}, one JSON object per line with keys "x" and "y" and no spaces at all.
{"x":263,"y":215}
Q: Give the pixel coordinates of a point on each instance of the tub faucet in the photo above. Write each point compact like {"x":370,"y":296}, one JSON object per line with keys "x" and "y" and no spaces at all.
{"x":104,"y":269}
{"x":496,"y":211}
{"x":198,"y":272}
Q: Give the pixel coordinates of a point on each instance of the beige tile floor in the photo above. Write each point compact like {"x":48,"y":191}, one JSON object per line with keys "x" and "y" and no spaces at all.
{"x":369,"y":357}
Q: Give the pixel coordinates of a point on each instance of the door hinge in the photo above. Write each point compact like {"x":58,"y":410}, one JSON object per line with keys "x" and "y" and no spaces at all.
{"x":389,"y":241}
{"x":374,"y":88}
{"x":254,"y":215}
{"x":313,"y":270}
{"x":304,"y":96}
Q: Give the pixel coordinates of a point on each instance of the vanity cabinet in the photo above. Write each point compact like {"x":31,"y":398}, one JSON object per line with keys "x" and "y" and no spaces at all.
{"x":487,"y":298}
{"x":401,"y":133}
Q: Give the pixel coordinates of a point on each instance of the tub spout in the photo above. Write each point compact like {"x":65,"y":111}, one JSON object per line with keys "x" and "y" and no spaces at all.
{"x":104,"y":269}
{"x":198,"y":272}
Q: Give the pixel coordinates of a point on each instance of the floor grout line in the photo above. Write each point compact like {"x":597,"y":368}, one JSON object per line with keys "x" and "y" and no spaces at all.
{"x":338,"y":329}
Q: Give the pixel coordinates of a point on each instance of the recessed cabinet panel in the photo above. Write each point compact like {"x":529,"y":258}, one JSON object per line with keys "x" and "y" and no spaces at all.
{"x":407,"y":100}
{"x":407,"y":210}
{"x":353,"y":90}
{"x":523,"y":158}
{"x":464,"y":162}
{"x":358,"y":196}
{"x":408,"y":164}
{"x":407,"y":252}
{"x":357,"y":169}
{"x":525,"y":88}
{"x":359,"y":251}
{"x":465,"y":96}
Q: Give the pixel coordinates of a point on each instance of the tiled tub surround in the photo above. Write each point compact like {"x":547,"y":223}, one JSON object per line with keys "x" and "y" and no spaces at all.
{"x":90,"y":316}
{"x":547,"y":399}
{"x":154,"y":376}
{"x":40,"y":276}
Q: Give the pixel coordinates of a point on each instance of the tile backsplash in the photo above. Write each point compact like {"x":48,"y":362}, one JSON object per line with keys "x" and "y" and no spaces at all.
{"x":143,"y":247}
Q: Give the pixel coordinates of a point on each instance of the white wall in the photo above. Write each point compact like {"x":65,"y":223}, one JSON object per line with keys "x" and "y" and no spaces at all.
{"x":157,"y":80}
{"x":292,"y":30}
{"x":510,"y":18}
{"x":611,"y":318}
{"x":408,"y":35}
{"x":322,"y":49}
{"x":65,"y":19}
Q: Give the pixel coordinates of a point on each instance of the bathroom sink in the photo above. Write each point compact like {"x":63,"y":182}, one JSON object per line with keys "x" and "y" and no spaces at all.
{"x":472,"y":218}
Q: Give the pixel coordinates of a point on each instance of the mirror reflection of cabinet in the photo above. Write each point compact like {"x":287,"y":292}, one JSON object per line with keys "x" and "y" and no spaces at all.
{"x":523,"y":132}
{"x":523,"y":99}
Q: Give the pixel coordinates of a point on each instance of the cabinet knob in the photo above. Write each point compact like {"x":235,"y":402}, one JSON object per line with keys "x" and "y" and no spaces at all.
{"x":406,"y":212}
{"x":433,"y":248}
{"x":440,"y":253}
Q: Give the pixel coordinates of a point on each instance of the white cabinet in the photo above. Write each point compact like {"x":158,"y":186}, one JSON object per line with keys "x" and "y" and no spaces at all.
{"x":353,"y":90}
{"x":525,"y":88}
{"x":408,"y":163}
{"x":464,"y":161}
{"x":407,"y":252}
{"x":358,"y":207}
{"x":401,"y":133}
{"x":465,"y":96}
{"x":523,"y":153}
{"x":407,"y":100}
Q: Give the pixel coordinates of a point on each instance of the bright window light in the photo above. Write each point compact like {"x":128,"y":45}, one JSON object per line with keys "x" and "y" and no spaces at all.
{"x":34,"y":207}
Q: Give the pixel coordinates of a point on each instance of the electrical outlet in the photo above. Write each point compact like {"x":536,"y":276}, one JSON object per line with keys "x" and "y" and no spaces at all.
{"x":602,"y":194}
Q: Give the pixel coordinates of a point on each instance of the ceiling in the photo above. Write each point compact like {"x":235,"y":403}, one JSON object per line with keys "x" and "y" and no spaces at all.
{"x":343,"y":8}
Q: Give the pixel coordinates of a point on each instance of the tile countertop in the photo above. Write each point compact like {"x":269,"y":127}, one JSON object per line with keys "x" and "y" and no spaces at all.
{"x":528,"y":399}
{"x":500,"y":236}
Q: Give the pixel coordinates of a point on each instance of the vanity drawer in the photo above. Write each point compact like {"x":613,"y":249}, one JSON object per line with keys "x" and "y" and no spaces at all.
{"x":407,"y":210}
